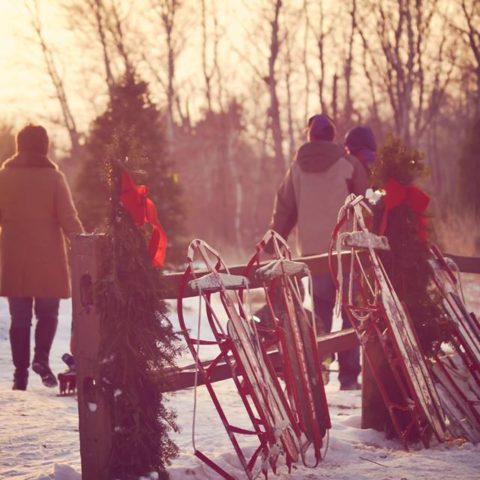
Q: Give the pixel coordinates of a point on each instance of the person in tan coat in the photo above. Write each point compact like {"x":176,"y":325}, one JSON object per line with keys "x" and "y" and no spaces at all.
{"x":37,"y":215}
{"x":310,"y":196}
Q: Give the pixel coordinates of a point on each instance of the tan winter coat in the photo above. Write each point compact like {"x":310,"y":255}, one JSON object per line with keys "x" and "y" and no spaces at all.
{"x":36,"y":214}
{"x":312,"y":192}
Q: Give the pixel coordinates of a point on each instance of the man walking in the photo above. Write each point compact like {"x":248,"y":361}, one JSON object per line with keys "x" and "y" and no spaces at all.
{"x":36,"y":216}
{"x":310,"y":196}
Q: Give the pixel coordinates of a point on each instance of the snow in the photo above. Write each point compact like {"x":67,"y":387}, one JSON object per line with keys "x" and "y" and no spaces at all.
{"x":39,"y":430}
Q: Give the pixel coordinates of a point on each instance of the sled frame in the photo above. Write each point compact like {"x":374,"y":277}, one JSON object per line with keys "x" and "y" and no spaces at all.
{"x":458,"y":373}
{"x":295,"y":339}
{"x":380,"y":318}
{"x":251,"y":370}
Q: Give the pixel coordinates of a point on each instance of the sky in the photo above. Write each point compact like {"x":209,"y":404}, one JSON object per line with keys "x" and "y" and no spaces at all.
{"x":26,"y":92}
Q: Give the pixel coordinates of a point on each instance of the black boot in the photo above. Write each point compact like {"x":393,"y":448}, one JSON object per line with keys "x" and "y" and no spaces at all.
{"x":20,"y":344}
{"x":20,"y":379}
{"x":44,"y":335}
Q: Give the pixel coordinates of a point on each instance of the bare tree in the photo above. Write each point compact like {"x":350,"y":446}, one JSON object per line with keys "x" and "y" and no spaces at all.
{"x":116,"y":26}
{"x":104,"y":24}
{"x":207,"y":73}
{"x":348,"y":108}
{"x":97,"y":8}
{"x":414,"y":87}
{"x":57,"y":81}
{"x":321,"y":34}
{"x":272,"y":83}
{"x":167,"y":11}
{"x":471,"y":12}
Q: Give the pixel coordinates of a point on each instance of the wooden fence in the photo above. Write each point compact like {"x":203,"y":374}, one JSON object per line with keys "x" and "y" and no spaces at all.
{"x":95,"y":421}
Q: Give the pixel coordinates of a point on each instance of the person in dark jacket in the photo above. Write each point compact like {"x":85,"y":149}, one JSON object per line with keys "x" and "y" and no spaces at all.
{"x":37,"y":215}
{"x":360,"y":142}
{"x":310,"y":196}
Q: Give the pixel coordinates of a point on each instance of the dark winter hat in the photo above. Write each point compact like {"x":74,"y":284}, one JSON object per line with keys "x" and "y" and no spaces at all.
{"x":321,"y":127}
{"x":360,"y":138}
{"x":32,"y":138}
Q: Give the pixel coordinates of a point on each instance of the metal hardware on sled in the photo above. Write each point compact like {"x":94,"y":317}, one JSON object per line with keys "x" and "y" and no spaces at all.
{"x":281,"y":267}
{"x":365,"y":240}
{"x":214,"y":282}
{"x":67,"y":382}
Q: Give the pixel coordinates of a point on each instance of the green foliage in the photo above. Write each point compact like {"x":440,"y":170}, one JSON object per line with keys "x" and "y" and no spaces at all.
{"x":406,"y":263}
{"x":396,"y":160}
{"x":131,"y":128}
{"x":470,"y":170}
{"x":138,"y":345}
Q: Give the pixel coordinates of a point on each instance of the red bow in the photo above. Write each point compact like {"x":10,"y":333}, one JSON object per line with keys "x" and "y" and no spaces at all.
{"x":398,"y":194}
{"x":142,"y":209}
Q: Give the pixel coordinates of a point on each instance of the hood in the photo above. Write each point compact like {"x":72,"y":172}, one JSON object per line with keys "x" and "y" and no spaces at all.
{"x":28,"y":160}
{"x":318,"y":156}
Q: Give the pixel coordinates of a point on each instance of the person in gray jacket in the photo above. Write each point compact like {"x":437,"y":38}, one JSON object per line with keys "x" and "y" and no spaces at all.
{"x":310,"y":196}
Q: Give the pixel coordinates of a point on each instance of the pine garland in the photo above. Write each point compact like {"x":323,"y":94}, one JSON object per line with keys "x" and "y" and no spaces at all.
{"x":138,"y":345}
{"x":407,"y":261}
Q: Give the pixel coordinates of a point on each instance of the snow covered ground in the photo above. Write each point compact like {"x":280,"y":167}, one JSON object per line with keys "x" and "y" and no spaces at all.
{"x":39,"y":431}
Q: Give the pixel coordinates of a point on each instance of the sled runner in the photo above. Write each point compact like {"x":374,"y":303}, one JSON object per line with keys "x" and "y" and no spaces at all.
{"x":384,"y":329}
{"x":292,"y":331}
{"x":67,"y":380}
{"x":457,"y":367}
{"x":272,"y":420}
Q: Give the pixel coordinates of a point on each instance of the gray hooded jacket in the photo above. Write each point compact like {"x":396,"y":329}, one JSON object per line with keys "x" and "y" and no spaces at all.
{"x":312,"y":192}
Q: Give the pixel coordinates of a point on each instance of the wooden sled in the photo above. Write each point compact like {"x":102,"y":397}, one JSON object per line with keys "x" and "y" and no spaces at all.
{"x":385,"y":330}
{"x":272,"y":420}
{"x":292,"y":332}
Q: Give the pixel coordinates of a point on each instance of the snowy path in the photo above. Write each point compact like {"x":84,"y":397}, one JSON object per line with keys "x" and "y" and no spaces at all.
{"x":39,"y":431}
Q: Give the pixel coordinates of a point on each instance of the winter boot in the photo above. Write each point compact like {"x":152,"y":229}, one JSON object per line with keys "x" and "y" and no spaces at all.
{"x":20,"y":379}
{"x":44,"y":335}
{"x":47,"y":376}
{"x":20,"y":345}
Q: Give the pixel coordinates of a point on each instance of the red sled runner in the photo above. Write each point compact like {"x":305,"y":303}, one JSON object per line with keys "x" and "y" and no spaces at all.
{"x":457,"y":367}
{"x":385,"y":330}
{"x":272,"y":420}
{"x":292,"y":331}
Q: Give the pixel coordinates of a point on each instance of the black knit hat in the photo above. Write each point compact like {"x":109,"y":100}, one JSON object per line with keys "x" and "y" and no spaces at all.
{"x":32,"y":138}
{"x":321,"y":127}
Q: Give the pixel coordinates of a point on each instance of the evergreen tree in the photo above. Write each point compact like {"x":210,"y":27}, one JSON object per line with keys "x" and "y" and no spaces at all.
{"x":138,"y":345}
{"x":470,"y":170}
{"x":130,"y":128}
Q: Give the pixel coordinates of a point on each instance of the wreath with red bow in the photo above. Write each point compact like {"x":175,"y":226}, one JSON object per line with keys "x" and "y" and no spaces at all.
{"x":401,"y":218}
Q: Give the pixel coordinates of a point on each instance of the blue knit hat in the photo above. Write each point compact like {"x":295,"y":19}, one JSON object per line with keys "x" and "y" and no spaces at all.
{"x":321,"y":127}
{"x":360,"y":138}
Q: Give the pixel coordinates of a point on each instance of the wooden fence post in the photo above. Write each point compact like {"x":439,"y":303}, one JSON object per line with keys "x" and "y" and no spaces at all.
{"x":374,"y":411}
{"x":94,"y":406}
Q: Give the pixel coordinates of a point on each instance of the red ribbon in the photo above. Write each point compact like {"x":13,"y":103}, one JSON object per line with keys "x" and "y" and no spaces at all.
{"x":135,"y":200}
{"x":398,"y":194}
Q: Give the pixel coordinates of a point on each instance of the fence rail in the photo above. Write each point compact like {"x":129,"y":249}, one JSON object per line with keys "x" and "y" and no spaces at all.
{"x":330,"y":343}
